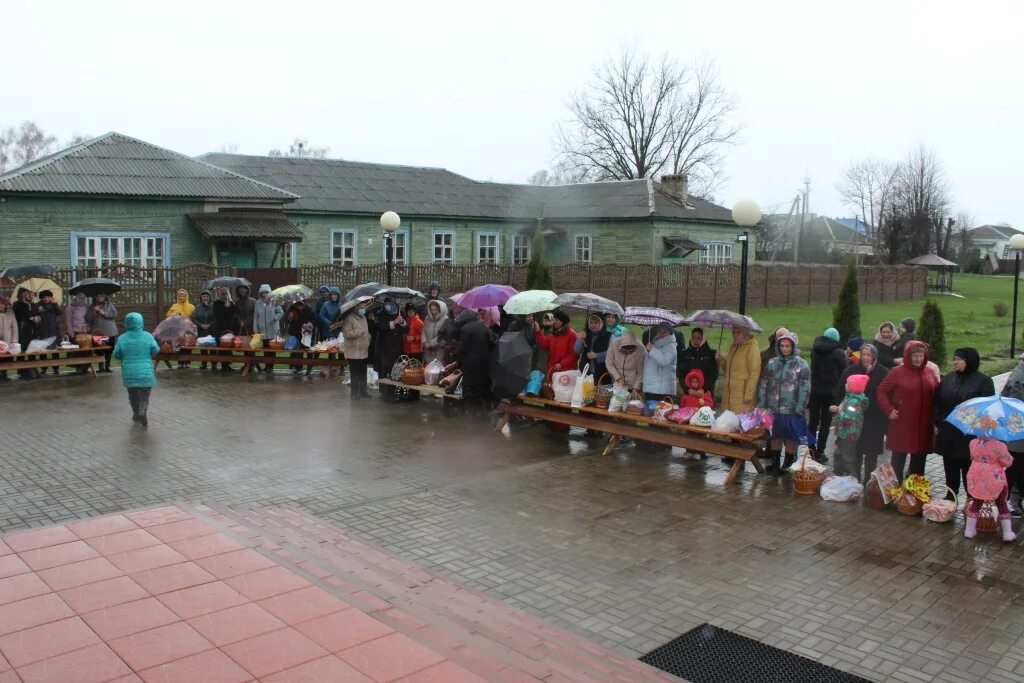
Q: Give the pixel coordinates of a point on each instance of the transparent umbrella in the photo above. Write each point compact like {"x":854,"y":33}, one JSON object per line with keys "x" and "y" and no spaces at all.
{"x":289,"y":294}
{"x":531,"y":301}
{"x":174,"y":330}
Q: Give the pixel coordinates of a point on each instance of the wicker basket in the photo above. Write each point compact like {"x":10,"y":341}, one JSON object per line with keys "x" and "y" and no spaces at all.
{"x":83,"y":340}
{"x":165,"y":347}
{"x":807,"y":482}
{"x":226,"y":343}
{"x":940,"y":508}
{"x":412,"y":374}
{"x":988,"y":518}
{"x":190,"y":340}
{"x":636,"y":409}
{"x":603,"y":394}
{"x":873,"y":495}
{"x":909,"y":504}
{"x":276,"y":345}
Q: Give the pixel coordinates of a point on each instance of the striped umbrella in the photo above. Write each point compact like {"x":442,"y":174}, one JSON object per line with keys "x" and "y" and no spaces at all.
{"x":649,"y":315}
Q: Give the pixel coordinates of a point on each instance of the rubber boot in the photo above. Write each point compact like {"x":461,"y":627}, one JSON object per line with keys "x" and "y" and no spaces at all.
{"x":1008,"y":534}
{"x":773,"y":461}
{"x":971,"y":528}
{"x":788,"y":460}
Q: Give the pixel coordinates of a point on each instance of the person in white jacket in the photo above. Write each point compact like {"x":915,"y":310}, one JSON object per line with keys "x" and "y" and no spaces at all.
{"x":266,"y":320}
{"x":660,"y":365}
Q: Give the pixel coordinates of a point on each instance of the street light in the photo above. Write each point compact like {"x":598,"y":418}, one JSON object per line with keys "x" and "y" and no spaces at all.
{"x":389,"y":222}
{"x":1017,"y":244}
{"x":746,"y":214}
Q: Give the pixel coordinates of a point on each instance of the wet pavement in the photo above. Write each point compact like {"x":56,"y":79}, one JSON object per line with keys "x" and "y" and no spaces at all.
{"x":629,"y":550}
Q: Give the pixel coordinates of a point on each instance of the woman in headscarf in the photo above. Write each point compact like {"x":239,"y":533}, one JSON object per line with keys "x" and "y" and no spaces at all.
{"x":205,"y":319}
{"x":225,"y":319}
{"x":390,"y":331}
{"x":742,"y":368}
{"x":101,"y":318}
{"x":412,"y":336}
{"x":593,"y":346}
{"x":905,"y":396}
{"x":871,"y":443}
{"x":433,"y":344}
{"x":965,"y":382}
{"x":491,"y":318}
{"x":886,"y":341}
{"x":1014,"y":388}
{"x":328,"y":313}
{"x":560,"y":343}
{"x":611,"y":323}
{"x":74,"y":322}
{"x":770,"y":351}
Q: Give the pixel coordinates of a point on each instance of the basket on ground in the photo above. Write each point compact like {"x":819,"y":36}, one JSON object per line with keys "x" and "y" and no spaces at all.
{"x":603,"y":393}
{"x":988,"y":518}
{"x":807,"y":482}
{"x":909,"y":504}
{"x":940,"y":508}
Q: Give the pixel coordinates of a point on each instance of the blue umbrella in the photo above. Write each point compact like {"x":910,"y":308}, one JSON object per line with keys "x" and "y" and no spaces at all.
{"x":990,"y":417}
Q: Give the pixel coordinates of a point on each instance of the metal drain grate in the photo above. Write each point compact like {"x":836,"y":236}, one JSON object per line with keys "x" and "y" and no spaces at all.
{"x":708,"y":654}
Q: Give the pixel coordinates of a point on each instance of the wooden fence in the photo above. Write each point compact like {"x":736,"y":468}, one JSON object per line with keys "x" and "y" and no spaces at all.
{"x":681,"y":287}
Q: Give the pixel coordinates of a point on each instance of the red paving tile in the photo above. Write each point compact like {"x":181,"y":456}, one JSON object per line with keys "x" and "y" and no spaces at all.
{"x":302,"y":605}
{"x":4,"y":549}
{"x":22,"y":586}
{"x":101,"y":526}
{"x":212,"y":666}
{"x":273,"y":652}
{"x":131,"y":617}
{"x":48,"y":640}
{"x":173,"y":577}
{"x":204,"y":546}
{"x":58,"y":555}
{"x":154,"y":516}
{"x":35,"y":611}
{"x":390,"y":657}
{"x":39,"y":538}
{"x":9,"y":677}
{"x":235,"y":563}
{"x":266,"y":583}
{"x":323,"y":670}
{"x":4,"y":665}
{"x":160,"y":645}
{"x":445,"y":672}
{"x":202,"y":599}
{"x":96,"y":664}
{"x":11,"y":565}
{"x":130,"y":678}
{"x":102,"y":594}
{"x":176,"y":531}
{"x":235,"y":624}
{"x":146,"y":558}
{"x":79,"y":573}
{"x":344,"y":630}
{"x":122,"y":541}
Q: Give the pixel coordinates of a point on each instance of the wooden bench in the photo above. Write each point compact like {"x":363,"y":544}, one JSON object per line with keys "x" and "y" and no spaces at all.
{"x":447,"y":400}
{"x":250,"y":357}
{"x":739,"y":446}
{"x":38,"y":359}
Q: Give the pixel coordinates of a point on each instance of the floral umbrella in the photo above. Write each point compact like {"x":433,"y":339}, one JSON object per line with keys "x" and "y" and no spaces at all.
{"x":289,"y":294}
{"x":990,"y":417}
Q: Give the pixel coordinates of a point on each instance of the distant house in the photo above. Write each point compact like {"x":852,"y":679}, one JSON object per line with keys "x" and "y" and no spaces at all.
{"x":992,"y":240}
{"x":820,"y":236}
{"x":118,"y":200}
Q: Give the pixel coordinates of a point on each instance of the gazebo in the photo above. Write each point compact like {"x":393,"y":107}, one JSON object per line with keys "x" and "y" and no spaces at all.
{"x":941,"y":279}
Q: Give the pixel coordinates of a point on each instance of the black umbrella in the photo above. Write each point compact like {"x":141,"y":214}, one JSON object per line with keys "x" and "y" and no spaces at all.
{"x":229,"y":281}
{"x":399,"y":293}
{"x":365,"y":289}
{"x":91,"y":286}
{"x":26,"y":270}
{"x":511,"y":363}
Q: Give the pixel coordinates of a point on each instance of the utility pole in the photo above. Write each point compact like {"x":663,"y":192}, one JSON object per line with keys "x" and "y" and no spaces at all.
{"x":803,"y":220}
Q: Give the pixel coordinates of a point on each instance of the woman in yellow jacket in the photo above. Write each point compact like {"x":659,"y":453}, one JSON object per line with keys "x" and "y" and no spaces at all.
{"x":742,"y":366}
{"x":181,"y":307}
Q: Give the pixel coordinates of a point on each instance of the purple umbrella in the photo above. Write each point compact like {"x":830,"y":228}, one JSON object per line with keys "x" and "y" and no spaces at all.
{"x":485,"y":296}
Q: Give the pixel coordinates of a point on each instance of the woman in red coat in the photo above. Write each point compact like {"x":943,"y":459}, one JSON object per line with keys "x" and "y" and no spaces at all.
{"x":560,"y":344}
{"x":905,"y":395}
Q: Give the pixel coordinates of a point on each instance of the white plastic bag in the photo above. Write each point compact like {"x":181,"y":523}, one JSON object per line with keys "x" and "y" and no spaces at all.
{"x":811,"y":464}
{"x":432,"y":373}
{"x":620,"y":397}
{"x":727,"y":422}
{"x":577,"y":389}
{"x":372,"y":378}
{"x":704,"y":417}
{"x":841,"y":489}
{"x":37,"y":345}
{"x":564,"y":383}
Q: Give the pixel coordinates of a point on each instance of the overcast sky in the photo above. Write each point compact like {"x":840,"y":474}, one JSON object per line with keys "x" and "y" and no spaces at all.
{"x":477,"y":88}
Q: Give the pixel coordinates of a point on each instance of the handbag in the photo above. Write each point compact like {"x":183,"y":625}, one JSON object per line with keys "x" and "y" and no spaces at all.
{"x":396,"y":369}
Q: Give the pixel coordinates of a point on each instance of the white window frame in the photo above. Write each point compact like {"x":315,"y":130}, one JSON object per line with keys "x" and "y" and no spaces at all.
{"x":404,"y":234}
{"x":434,"y":246}
{"x":290,"y":255}
{"x":589,"y":247}
{"x":478,"y":245}
{"x":341,"y":233}
{"x":118,"y":254}
{"x":521,"y":243}
{"x":716,"y":253}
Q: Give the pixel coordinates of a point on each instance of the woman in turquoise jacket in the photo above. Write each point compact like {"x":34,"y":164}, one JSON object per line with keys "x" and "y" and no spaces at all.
{"x":136,"y":349}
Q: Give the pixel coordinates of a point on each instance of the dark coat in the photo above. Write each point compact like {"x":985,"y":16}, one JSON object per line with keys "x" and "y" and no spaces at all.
{"x":887,"y":354}
{"x":245,"y":308}
{"x":225,"y":318}
{"x":596,"y":342}
{"x":297,"y":317}
{"x":828,"y":363}
{"x":910,"y":391}
{"x":388,"y":344}
{"x":474,"y":355}
{"x":698,"y":358}
{"x":27,"y":329}
{"x":954,"y":389}
{"x":49,"y":320}
{"x":204,"y":318}
{"x":876,"y":423}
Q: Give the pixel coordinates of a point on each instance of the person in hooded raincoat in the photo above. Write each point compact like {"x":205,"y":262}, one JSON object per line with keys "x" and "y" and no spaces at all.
{"x":136,"y":349}
{"x":742,"y":367}
{"x":828,"y":363}
{"x":325,"y":295}
{"x":1014,"y":388}
{"x":390,"y":330}
{"x":784,"y":390}
{"x":660,"y":364}
{"x":871,"y":442}
{"x":433,"y":344}
{"x":328,"y":313}
{"x":965,"y":382}
{"x":474,"y":360}
{"x":266,"y":321}
{"x":592,"y":346}
{"x":906,"y":396}
{"x":625,"y":361}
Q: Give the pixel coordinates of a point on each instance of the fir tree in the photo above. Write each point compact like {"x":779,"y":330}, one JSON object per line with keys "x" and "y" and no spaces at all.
{"x":931,"y":329}
{"x":846,"y":314}
{"x":538,"y":272}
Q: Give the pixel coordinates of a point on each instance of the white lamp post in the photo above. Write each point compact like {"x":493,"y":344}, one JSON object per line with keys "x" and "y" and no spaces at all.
{"x":1017,"y":245}
{"x":746,"y":214}
{"x":389,"y":222}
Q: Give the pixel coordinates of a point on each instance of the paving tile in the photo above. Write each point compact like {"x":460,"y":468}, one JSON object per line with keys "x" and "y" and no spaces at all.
{"x":102,"y":594}
{"x":101,"y":526}
{"x":30,"y":612}
{"x":390,"y":657}
{"x":273,"y":652}
{"x":79,"y":573}
{"x":49,"y":640}
{"x":236,"y":623}
{"x":12,"y":565}
{"x":122,"y":541}
{"x":4,"y":549}
{"x":9,"y":677}
{"x":160,"y":645}
{"x":202,"y":599}
{"x":323,"y":670}
{"x":4,"y":664}
{"x":95,"y":664}
{"x":302,"y":605}
{"x":266,"y":583}
{"x":176,"y":531}
{"x":21,"y":586}
{"x":227,"y":565}
{"x":141,"y":559}
{"x":172,"y":577}
{"x":198,"y":547}
{"x":131,"y":617}
{"x":58,"y":555}
{"x":343,"y":630}
{"x":160,"y":515}
{"x":39,"y":538}
{"x":445,"y":672}
{"x":212,"y":666}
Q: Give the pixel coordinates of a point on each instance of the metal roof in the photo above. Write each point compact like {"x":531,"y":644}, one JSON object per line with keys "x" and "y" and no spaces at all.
{"x":993,"y":232}
{"x":337,"y":186}
{"x":930,"y":260}
{"x":265,"y":226}
{"x":118,"y":165}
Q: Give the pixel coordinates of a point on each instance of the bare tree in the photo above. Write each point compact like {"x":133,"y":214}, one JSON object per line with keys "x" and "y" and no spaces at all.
{"x":558,"y":174}
{"x":77,"y":139}
{"x":300,"y":147}
{"x":867,"y":186}
{"x":22,"y":144}
{"x":916,"y":221}
{"x":962,"y":247}
{"x":640,"y":117}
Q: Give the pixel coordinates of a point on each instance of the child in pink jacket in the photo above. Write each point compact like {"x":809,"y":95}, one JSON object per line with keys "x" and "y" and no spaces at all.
{"x":986,"y":481}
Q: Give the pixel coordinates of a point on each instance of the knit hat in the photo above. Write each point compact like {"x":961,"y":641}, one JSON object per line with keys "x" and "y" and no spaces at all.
{"x":324,"y":289}
{"x":265,"y":288}
{"x":45,"y":293}
{"x":855,"y":343}
{"x":563,"y":316}
{"x":832,"y":333}
{"x":909,"y":324}
{"x":857,"y":384}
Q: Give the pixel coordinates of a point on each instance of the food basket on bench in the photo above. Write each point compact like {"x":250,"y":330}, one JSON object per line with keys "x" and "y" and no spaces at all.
{"x":83,"y":340}
{"x":412,"y":374}
{"x":603,"y":393}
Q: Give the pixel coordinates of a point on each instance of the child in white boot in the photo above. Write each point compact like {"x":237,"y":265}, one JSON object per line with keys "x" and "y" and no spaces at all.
{"x":986,"y":481}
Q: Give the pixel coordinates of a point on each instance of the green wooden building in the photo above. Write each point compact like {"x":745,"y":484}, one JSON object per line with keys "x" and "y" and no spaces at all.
{"x":118,"y":200}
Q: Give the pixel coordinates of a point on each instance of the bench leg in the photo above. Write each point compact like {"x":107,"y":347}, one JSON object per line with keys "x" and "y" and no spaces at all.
{"x":612,"y":440}
{"x":505,"y":417}
{"x":92,"y":369}
{"x":757,"y":464}
{"x":737,"y":465}
{"x":245,"y":368}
